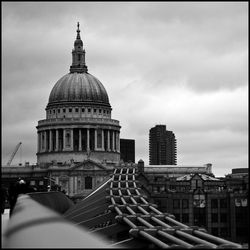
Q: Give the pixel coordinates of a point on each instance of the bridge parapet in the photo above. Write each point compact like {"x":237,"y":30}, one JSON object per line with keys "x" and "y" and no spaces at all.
{"x":33,"y":225}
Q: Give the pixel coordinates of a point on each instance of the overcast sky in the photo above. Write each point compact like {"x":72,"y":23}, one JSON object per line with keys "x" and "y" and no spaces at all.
{"x":182,"y":64}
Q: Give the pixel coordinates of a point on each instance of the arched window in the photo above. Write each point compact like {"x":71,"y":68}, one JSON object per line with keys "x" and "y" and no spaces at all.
{"x":88,"y":182}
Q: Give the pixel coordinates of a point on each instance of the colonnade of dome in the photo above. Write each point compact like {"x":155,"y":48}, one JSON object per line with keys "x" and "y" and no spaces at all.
{"x":78,"y":139}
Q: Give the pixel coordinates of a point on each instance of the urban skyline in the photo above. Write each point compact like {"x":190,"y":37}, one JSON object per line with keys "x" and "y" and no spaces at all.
{"x":142,"y":92}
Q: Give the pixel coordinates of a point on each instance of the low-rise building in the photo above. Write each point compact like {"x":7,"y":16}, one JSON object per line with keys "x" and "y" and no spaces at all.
{"x":220,"y":205}
{"x":77,"y":179}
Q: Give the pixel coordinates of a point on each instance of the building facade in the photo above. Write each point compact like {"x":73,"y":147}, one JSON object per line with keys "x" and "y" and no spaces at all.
{"x":127,"y":150}
{"x":77,"y":180}
{"x":78,"y":124}
{"x":220,"y":205}
{"x":162,"y":146}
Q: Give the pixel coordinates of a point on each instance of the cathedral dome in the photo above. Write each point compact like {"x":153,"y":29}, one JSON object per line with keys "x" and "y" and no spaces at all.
{"x":81,"y":88}
{"x":78,"y":86}
{"x":78,"y":124}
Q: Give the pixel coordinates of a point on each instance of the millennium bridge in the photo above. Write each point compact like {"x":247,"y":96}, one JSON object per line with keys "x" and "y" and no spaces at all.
{"x":115,"y":215}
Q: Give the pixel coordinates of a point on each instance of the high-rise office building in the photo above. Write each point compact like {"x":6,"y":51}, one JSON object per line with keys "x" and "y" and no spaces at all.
{"x":127,"y":150}
{"x":162,"y":146}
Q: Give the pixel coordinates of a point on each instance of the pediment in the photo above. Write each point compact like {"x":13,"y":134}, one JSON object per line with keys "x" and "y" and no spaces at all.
{"x":88,"y":165}
{"x":196,"y":177}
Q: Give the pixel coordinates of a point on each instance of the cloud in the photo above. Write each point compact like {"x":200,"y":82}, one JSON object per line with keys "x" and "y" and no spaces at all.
{"x":209,"y":127}
{"x":180,"y":64}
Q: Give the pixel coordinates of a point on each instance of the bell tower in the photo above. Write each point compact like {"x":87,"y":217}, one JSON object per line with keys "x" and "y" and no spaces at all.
{"x":78,"y":55}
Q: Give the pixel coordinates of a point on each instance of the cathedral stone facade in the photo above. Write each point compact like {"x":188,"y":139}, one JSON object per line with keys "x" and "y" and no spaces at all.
{"x":78,"y":124}
{"x":78,"y":143}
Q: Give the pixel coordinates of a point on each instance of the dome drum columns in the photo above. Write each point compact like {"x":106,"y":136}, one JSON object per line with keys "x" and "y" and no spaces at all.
{"x":78,"y":140}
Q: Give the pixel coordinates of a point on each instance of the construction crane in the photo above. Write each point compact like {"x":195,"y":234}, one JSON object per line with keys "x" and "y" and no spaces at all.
{"x":13,"y":154}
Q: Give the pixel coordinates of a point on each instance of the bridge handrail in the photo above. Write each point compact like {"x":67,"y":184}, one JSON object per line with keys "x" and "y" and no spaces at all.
{"x":33,"y":225}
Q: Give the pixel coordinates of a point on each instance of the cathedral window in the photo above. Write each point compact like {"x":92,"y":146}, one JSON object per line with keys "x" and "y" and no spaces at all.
{"x":88,"y":182}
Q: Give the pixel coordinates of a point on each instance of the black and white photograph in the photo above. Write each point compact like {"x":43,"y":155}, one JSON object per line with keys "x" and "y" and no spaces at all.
{"x":124,"y":124}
